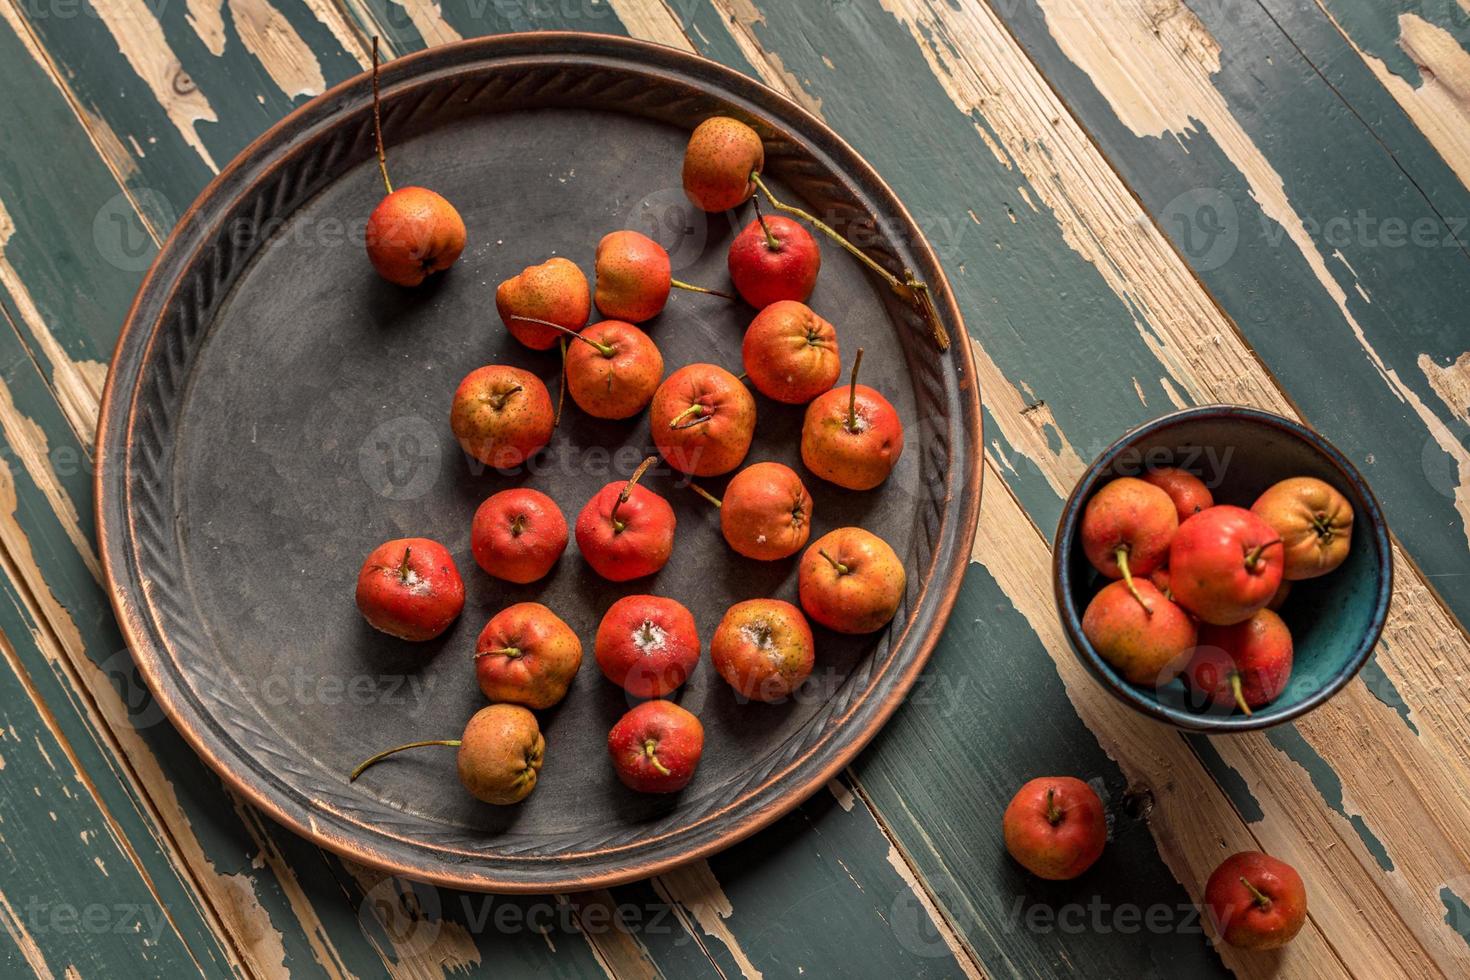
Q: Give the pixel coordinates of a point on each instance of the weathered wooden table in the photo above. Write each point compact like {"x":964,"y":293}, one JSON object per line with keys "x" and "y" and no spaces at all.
{"x":1142,"y":204}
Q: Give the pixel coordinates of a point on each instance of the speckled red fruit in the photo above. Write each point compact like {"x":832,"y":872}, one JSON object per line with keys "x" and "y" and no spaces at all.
{"x":1189,"y":493}
{"x":556,"y":291}
{"x":413,"y":233}
{"x":767,"y":512}
{"x":763,"y":648}
{"x":702,"y":420}
{"x":1148,"y":648}
{"x":527,"y":655}
{"x":1055,"y":827}
{"x":1225,"y":564}
{"x":773,"y":262}
{"x":501,"y":415}
{"x":632,"y":275}
{"x":790,"y":353}
{"x":518,"y":535}
{"x":626,"y":531}
{"x":1256,"y":901}
{"x":721,"y":155}
{"x":1246,"y":664}
{"x":850,"y":581}
{"x":852,"y":437}
{"x":409,"y":588}
{"x":1314,"y":521}
{"x":647,"y":645}
{"x":614,"y":376}
{"x":656,"y":747}
{"x":1130,"y":515}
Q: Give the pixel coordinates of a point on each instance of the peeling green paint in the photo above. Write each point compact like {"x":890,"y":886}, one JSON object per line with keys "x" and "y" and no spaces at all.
{"x":1456,"y":913}
{"x":1229,"y":778}
{"x":1382,"y":687}
{"x":1416,"y":294}
{"x":1329,"y":784}
{"x":993,"y":698}
{"x":1373,"y":26}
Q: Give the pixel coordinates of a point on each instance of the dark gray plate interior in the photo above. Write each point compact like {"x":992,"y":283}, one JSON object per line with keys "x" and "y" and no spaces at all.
{"x":292,"y":414}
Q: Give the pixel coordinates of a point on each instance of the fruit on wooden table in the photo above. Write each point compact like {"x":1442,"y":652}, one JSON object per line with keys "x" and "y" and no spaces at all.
{"x":1225,"y":563}
{"x":702,"y":420}
{"x":790,"y":353}
{"x":1189,"y":493}
{"x":1139,"y":631}
{"x":1055,"y":827}
{"x":554,"y":291}
{"x":632,"y":277}
{"x":850,"y":580}
{"x":656,"y":747}
{"x":763,"y":648}
{"x":1256,"y":901}
{"x":647,"y":645}
{"x":774,"y":259}
{"x":527,"y":655}
{"x":721,"y":155}
{"x":501,"y":415}
{"x":852,"y":436}
{"x":410,"y":588}
{"x":766,"y":513}
{"x":1246,"y":664}
{"x":1126,"y":530}
{"x":413,"y":232}
{"x":1314,"y":522}
{"x":614,"y":371}
{"x":518,"y":535}
{"x":626,"y":531}
{"x":500,"y":754}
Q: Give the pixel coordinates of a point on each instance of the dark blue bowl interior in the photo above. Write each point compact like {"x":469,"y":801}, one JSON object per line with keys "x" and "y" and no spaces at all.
{"x":1335,"y":620}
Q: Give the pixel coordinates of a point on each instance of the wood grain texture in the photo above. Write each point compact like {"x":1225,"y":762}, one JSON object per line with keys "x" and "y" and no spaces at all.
{"x":1413,"y":54}
{"x":57,"y":827}
{"x":1051,"y":251}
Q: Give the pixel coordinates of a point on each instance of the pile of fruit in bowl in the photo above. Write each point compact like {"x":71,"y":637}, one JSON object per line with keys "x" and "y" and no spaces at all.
{"x":1213,"y":570}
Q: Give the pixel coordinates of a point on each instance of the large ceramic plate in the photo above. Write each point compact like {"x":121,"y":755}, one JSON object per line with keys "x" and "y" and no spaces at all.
{"x":274,"y":411}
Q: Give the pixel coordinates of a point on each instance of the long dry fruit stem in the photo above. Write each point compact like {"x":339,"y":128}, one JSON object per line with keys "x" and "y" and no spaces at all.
{"x":914,"y":291}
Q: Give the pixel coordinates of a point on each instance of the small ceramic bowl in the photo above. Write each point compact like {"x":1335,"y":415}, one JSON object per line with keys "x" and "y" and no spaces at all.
{"x":1238,"y":452}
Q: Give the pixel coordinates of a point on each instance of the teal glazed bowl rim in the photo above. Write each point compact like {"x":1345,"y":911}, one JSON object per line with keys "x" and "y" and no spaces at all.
{"x":1370,"y":528}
